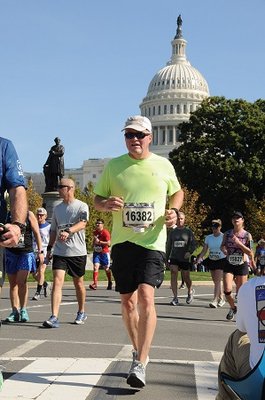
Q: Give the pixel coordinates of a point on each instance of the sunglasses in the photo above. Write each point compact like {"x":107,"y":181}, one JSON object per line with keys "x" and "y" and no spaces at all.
{"x":137,"y":135}
{"x":215,"y":225}
{"x":64,"y":186}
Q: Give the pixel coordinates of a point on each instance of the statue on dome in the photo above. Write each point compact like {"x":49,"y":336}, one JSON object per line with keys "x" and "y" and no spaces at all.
{"x":179,"y":28}
{"x":53,"y":168}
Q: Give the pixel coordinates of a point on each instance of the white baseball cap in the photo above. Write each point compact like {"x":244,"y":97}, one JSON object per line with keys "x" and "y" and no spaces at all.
{"x":139,"y":123}
{"x":41,"y":210}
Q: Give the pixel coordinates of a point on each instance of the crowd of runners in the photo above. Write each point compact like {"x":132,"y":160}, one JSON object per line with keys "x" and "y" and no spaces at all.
{"x":143,"y":194}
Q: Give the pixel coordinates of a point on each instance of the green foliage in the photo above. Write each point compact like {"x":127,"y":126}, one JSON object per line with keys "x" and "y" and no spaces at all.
{"x":87,"y":197}
{"x":222,"y":155}
{"x":195,"y":213}
{"x":34,"y":199}
{"x":255,"y":217}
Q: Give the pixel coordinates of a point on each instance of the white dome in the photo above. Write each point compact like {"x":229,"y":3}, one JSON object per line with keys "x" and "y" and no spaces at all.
{"x":178,"y":77}
{"x":173,"y":93}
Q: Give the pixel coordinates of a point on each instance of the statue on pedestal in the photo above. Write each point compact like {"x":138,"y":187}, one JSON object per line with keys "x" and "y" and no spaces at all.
{"x":179,"y":28}
{"x":53,"y":168}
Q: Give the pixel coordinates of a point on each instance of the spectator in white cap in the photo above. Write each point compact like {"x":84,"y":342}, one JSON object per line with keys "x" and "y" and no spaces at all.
{"x":135,"y":188}
{"x":44,"y":228}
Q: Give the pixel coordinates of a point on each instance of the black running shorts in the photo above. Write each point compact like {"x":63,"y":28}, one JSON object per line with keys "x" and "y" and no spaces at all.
{"x":133,"y":264}
{"x":74,"y":266}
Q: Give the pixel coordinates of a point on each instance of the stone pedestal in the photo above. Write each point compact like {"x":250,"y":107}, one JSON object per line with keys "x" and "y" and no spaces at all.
{"x":50,"y":200}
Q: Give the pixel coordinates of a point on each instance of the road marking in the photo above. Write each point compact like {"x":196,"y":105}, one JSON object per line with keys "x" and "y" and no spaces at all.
{"x":217,"y":355}
{"x":23,"y":348}
{"x":206,"y":379}
{"x":47,"y":378}
{"x":125,"y":353}
{"x":52,"y":378}
{"x":125,"y":349}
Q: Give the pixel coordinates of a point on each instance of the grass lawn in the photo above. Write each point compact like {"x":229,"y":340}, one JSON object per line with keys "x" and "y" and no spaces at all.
{"x":195,"y":276}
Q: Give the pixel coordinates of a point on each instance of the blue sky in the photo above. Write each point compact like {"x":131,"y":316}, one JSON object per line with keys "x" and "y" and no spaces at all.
{"x":77,"y":68}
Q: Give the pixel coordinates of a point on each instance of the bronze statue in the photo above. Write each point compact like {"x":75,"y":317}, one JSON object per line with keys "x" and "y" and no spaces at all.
{"x":179,"y":28}
{"x":53,"y":169}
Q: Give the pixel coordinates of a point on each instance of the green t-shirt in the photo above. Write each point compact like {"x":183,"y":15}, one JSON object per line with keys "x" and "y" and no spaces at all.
{"x":146,"y":181}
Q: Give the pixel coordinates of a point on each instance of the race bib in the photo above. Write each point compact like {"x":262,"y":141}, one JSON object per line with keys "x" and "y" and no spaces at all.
{"x":236,"y":259}
{"x":98,"y":249}
{"x":214,"y":255}
{"x":138,"y":216}
{"x":179,"y":243}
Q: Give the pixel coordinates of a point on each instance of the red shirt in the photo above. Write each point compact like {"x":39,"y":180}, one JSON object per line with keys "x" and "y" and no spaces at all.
{"x":103,"y":236}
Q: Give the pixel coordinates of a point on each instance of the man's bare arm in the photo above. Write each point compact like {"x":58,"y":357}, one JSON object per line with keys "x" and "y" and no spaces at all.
{"x":18,"y":204}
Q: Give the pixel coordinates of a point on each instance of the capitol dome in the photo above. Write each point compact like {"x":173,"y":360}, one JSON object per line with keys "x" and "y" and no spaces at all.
{"x":174,"y":92}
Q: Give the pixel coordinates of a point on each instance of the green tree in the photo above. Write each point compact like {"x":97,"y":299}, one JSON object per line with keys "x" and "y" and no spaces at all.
{"x":222,"y":154}
{"x":34,"y":199}
{"x":195,"y":214}
{"x":87,"y":197}
{"x":255,"y":218}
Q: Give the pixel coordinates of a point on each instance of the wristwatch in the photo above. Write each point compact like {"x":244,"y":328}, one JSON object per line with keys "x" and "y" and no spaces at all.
{"x":21,"y":226}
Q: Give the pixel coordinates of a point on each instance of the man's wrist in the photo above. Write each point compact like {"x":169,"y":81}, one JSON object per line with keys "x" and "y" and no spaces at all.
{"x":21,"y":226}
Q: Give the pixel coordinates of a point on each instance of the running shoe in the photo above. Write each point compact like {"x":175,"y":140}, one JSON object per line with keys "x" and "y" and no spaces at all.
{"x":109,"y":287}
{"x":134,"y":360}
{"x":80,"y":318}
{"x":213,"y":304}
{"x":174,"y":302}
{"x":13,"y":317}
{"x":190,"y":297}
{"x":93,"y":286}
{"x":221,"y":303}
{"x":36,"y":296}
{"x":136,"y":377}
{"x":52,"y":322}
{"x":47,"y":288}
{"x":182,"y":286}
{"x":231,"y":314}
{"x":24,"y":317}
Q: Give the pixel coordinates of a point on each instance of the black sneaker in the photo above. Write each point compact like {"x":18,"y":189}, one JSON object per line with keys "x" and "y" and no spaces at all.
{"x":109,"y":287}
{"x":231,"y":314}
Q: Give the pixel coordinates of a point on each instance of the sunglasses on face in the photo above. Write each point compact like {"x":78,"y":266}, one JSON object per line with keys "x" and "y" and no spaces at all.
{"x":64,"y":186}
{"x":137,"y":135}
{"x":215,"y":225}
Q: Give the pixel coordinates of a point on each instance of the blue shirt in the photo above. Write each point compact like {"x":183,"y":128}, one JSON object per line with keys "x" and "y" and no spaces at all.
{"x":11,"y":173}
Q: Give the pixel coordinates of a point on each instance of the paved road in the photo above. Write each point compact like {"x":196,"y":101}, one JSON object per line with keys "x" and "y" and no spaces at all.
{"x":90,"y":362}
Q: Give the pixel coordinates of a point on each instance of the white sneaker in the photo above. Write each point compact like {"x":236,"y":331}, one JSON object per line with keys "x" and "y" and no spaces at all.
{"x":213,"y":304}
{"x":136,"y":377}
{"x":190,"y":297}
{"x":221,"y":303}
{"x":174,"y":302}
